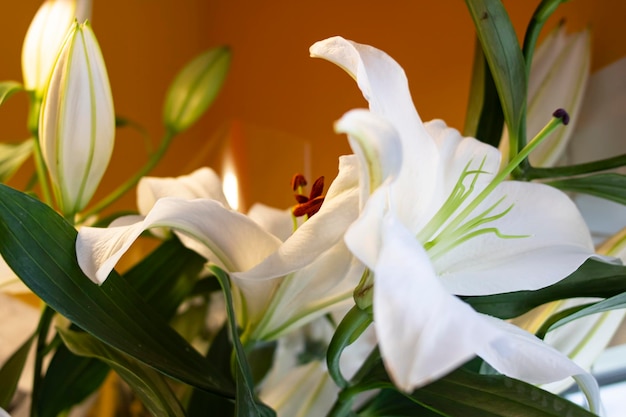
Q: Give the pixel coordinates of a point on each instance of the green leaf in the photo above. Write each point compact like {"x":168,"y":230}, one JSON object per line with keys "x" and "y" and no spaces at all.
{"x":506,"y":63}
{"x":164,"y":278}
{"x":148,"y":385}
{"x":39,"y":246}
{"x":246,"y":405}
{"x":11,"y":371}
{"x":545,"y":9}
{"x":8,"y":88}
{"x":484,"y":118}
{"x":468,"y":394}
{"x":195,"y":88}
{"x":592,"y":279}
{"x":68,"y":381}
{"x":610,"y":186}
{"x":613,"y":303}
{"x":391,"y":403}
{"x":12,"y":156}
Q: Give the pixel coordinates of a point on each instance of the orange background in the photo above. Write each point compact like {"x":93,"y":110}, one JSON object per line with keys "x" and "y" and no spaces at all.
{"x":274,"y":89}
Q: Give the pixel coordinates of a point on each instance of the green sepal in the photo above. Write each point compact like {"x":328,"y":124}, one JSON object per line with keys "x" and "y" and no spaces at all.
{"x":246,"y":404}
{"x":8,"y":88}
{"x":12,"y":156}
{"x":11,"y":371}
{"x":149,"y":385}
{"x":39,"y":245}
{"x":610,"y":186}
{"x":593,"y":278}
{"x":506,"y":63}
{"x":195,"y":87}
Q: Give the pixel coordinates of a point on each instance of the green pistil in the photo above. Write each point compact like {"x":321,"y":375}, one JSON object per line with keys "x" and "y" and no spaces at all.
{"x":458,"y":229}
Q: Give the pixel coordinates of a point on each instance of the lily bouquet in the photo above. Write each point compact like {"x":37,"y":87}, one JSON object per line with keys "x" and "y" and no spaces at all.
{"x":440,"y":274}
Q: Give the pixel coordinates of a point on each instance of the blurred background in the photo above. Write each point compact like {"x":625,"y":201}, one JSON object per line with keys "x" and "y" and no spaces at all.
{"x":278,"y":103}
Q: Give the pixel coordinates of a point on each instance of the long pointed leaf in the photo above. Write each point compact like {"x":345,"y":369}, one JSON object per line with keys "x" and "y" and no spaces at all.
{"x":247,"y":404}
{"x":609,"y":186}
{"x":506,"y":63}
{"x":592,"y":279}
{"x":11,"y":371}
{"x":468,"y":394}
{"x":39,"y":246}
{"x":148,"y":385}
{"x":164,"y":278}
{"x":484,"y":118}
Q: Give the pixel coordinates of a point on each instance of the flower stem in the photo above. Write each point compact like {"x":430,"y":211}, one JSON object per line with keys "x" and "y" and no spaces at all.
{"x":40,"y":165}
{"x":132,"y":181}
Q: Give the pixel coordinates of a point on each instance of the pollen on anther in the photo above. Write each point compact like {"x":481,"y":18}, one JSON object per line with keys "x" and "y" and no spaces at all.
{"x":561,"y":114}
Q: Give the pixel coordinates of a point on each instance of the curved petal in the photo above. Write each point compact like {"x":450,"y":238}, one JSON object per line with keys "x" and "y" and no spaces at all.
{"x":277,"y":222}
{"x":377,"y":145}
{"x":425,"y":332}
{"x":237,"y":241}
{"x":385,"y":86}
{"x":202,"y":183}
{"x":320,"y":287}
{"x":552,"y":242}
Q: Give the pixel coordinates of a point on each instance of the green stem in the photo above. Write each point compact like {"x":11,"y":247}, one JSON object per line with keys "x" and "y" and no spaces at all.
{"x":579,"y":169}
{"x":40,"y":165}
{"x":132,"y":181}
{"x":42,"y":335}
{"x":350,"y":328}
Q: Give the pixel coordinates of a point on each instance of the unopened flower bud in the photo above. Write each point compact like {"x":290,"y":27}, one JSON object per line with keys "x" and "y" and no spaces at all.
{"x":195,"y":88}
{"x":45,"y":37}
{"x":77,"y":124}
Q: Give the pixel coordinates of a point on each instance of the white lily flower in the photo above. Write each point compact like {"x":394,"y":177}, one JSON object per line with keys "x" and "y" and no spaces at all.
{"x":45,"y":36}
{"x":444,"y":222}
{"x":279,"y":285}
{"x":77,"y":122}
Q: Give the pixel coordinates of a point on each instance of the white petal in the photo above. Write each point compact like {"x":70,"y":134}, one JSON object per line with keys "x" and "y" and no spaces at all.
{"x":558,"y":243}
{"x":277,"y":222}
{"x":385,"y":86}
{"x":377,"y":145}
{"x":238,"y":242}
{"x":563,"y":86}
{"x":602,"y":121}
{"x":423,"y":331}
{"x":202,"y":183}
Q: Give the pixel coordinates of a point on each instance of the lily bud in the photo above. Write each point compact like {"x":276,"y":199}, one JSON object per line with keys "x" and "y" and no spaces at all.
{"x":45,"y":37}
{"x":77,"y":121}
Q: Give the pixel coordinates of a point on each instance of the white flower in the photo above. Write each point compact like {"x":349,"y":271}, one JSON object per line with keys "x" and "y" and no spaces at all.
{"x":439,"y":220}
{"x":45,"y":36}
{"x":279,"y":284}
{"x":77,"y":123}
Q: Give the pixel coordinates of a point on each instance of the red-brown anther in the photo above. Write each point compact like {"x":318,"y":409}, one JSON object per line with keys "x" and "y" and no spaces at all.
{"x":298,"y":181}
{"x":309,"y":208}
{"x":307,"y":205}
